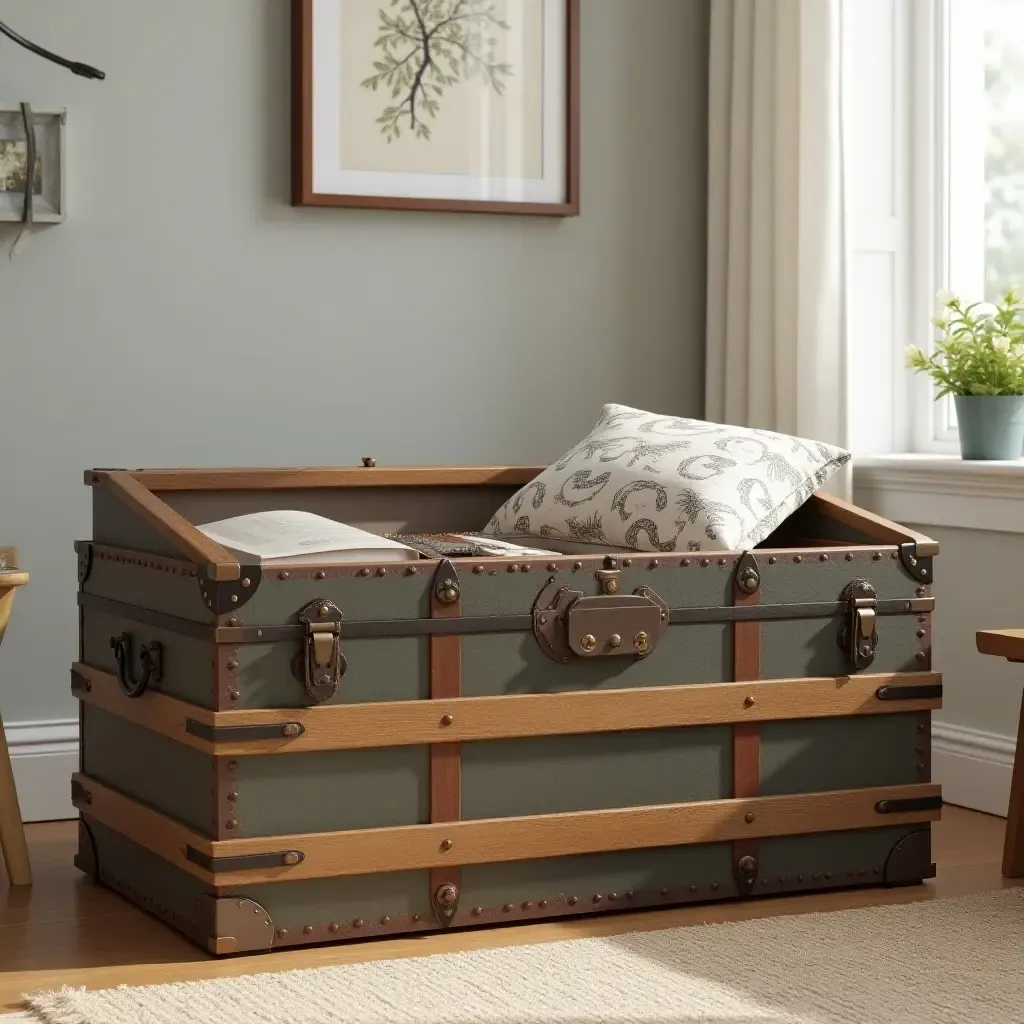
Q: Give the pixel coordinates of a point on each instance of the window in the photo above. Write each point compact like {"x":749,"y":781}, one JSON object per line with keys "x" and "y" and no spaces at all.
{"x":966,"y":229}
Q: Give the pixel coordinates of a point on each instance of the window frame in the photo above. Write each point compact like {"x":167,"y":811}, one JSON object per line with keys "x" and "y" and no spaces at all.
{"x":946,"y":237}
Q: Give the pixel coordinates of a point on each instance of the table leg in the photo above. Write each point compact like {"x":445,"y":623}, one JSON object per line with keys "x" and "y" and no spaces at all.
{"x":1013,"y":847}
{"x":12,"y":829}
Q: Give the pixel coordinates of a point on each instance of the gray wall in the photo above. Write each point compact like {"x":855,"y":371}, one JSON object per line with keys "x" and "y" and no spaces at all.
{"x":980,"y":692}
{"x":185,"y":314}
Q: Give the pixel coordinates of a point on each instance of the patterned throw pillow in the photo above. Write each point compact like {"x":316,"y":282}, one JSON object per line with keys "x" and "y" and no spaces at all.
{"x":645,"y":482}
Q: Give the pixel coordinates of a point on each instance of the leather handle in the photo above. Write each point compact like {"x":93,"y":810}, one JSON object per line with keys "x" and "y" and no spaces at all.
{"x":151,"y":656}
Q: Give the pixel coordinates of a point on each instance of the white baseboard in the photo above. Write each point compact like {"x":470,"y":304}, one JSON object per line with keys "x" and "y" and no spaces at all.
{"x":973,"y":767}
{"x":44,"y":755}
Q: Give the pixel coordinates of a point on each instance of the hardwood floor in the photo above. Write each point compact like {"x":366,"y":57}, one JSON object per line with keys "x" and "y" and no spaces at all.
{"x":66,"y":931}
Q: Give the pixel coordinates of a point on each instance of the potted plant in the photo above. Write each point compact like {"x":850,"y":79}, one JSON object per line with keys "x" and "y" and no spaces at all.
{"x":979,"y":360}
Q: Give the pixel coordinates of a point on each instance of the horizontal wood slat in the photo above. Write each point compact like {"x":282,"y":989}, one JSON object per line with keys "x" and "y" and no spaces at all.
{"x":152,"y":710}
{"x":499,"y":840}
{"x":405,"y":723}
{"x":332,"y":476}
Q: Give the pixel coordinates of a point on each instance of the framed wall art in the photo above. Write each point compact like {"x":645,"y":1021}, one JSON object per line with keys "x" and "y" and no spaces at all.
{"x":466,"y":105}
{"x":47,"y":157}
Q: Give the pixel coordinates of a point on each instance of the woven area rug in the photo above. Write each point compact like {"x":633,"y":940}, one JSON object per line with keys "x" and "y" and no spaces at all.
{"x":946,"y":961}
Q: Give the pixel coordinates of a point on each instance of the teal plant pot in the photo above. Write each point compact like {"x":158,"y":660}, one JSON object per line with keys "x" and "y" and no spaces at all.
{"x":990,"y":426}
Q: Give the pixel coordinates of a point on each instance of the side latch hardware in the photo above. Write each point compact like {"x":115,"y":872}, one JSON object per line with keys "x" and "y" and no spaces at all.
{"x":320,"y":664}
{"x":245,"y":861}
{"x":909,"y":804}
{"x":748,"y":576}
{"x":858,"y":635}
{"x":151,"y":657}
{"x":243,"y":733}
{"x":446,"y":583}
{"x":84,"y":560}
{"x":446,"y":902}
{"x":746,"y":874}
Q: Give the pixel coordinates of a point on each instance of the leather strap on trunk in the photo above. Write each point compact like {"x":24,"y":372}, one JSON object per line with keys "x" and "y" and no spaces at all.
{"x":746,"y":736}
{"x":445,"y":758}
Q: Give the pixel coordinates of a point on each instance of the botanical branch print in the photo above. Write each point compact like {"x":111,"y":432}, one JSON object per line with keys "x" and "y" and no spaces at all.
{"x":669,"y":484}
{"x":428,"y":46}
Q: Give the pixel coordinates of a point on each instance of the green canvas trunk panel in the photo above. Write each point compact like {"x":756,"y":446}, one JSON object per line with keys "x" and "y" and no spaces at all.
{"x":167,"y":776}
{"x":810,"y":647}
{"x":378,"y":669}
{"x":277,"y":795}
{"x":394,"y":596}
{"x":345,"y":899}
{"x":149,"y":880}
{"x":188,"y":662}
{"x":856,"y":752}
{"x":491,"y":885}
{"x":332,"y":791}
{"x":853,"y":857}
{"x":495,"y":664}
{"x":856,"y":850}
{"x":512,"y":778}
{"x":174,"y":591}
{"x":116,"y":525}
{"x":789,"y":582}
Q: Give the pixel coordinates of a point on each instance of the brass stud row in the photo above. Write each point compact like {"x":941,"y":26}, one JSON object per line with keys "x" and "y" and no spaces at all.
{"x":146,"y":563}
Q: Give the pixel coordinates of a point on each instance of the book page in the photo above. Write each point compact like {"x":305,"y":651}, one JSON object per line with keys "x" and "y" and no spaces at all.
{"x":286,"y":533}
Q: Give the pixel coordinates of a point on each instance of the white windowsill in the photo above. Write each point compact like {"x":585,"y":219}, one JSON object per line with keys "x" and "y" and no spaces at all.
{"x":942,"y":490}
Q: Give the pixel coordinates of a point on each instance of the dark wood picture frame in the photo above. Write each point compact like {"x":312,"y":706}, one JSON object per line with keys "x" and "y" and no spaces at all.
{"x":303,"y":193}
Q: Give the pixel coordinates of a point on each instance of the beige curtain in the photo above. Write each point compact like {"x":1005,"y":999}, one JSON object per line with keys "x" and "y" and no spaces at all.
{"x":776,"y":314}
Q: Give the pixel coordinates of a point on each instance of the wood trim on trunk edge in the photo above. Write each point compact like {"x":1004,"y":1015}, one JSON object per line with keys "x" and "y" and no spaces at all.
{"x":413,"y":722}
{"x":192,"y":543}
{"x":500,"y":840}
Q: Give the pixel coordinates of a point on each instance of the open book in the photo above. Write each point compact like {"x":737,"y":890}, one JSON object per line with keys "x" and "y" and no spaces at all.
{"x":290,"y":536}
{"x":467,"y":545}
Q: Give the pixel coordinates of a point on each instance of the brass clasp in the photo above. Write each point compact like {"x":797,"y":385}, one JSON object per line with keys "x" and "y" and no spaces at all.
{"x":320,"y":665}
{"x":858,"y":635}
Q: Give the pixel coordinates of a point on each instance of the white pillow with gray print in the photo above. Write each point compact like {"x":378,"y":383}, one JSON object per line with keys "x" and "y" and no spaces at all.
{"x":644,"y":482}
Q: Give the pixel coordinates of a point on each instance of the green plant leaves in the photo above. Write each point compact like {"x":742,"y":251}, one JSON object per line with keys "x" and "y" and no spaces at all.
{"x":981,"y":351}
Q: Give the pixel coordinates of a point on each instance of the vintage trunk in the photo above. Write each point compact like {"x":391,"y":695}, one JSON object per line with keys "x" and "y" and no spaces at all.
{"x":302,"y":754}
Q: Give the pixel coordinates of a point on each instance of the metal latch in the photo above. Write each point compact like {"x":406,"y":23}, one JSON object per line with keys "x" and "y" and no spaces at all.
{"x":858,"y":635}
{"x":567,"y":624}
{"x":320,"y":664}
{"x":746,"y":873}
{"x":446,"y":903}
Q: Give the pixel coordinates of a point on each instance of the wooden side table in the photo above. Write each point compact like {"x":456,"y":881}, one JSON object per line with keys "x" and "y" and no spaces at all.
{"x":1009,"y":644}
{"x":12,"y":829}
